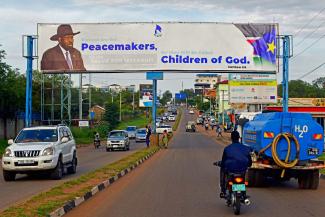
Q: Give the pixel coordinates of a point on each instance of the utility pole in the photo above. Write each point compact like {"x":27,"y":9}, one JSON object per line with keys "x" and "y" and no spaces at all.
{"x":89,"y":97}
{"x":223,"y":101}
{"x":80,"y":96}
{"x":133,"y":99}
{"x":120,"y":105}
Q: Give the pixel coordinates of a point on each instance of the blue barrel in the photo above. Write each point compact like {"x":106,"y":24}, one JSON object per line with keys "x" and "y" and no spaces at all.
{"x":261,"y":131}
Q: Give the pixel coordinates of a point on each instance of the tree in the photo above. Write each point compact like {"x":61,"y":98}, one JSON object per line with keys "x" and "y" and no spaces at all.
{"x":166,"y":97}
{"x":12,"y":91}
{"x":303,"y":89}
{"x":111,"y":115}
{"x":319,"y":82}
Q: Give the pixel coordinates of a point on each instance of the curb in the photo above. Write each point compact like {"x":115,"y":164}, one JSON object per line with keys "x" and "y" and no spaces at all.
{"x":68,"y":206}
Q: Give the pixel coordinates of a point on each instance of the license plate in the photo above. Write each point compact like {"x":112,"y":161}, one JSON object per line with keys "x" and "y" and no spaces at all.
{"x":313,"y":151}
{"x":25,"y":162}
{"x":238,"y":187}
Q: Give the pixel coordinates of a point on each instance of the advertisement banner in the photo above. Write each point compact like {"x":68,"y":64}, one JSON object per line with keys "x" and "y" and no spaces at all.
{"x":163,"y":46}
{"x":253,"y":88}
{"x":146,"y":96}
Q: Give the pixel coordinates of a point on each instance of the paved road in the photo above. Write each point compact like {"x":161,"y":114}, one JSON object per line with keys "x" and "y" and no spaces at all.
{"x":181,"y":182}
{"x":89,"y":160}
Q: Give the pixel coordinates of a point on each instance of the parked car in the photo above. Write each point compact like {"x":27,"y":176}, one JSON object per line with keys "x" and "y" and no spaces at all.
{"x":161,"y":129}
{"x":131,"y":131}
{"x":191,"y":112}
{"x":43,"y":149}
{"x":171,"y":118}
{"x":140,"y":135}
{"x":190,"y":126}
{"x":118,"y":139}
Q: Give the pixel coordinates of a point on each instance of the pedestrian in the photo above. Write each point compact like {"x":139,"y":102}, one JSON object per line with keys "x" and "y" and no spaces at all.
{"x":165,"y":139}
{"x":219,"y":131}
{"x":206,"y":125}
{"x":148,"y":134}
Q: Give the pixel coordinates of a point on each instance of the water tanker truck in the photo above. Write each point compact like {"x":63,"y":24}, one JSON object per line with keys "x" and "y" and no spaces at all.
{"x":285,"y":145}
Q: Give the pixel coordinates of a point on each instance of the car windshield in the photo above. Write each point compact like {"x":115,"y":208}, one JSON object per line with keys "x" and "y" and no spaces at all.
{"x":141,"y":131}
{"x":131,"y":128}
{"x":116,"y":134}
{"x":40,"y":135}
{"x":165,"y":126}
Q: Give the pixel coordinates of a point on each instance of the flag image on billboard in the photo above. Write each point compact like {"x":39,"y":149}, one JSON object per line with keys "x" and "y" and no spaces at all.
{"x":252,"y":88}
{"x":161,"y":46}
{"x":146,"y":96}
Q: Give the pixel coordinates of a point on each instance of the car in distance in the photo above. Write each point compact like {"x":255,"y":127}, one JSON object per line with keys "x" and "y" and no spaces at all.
{"x":42,"y":149}
{"x":190,"y":126}
{"x":140,"y":135}
{"x":131,"y":131}
{"x":118,"y":139}
{"x":191,"y":112}
{"x":161,"y":129}
{"x":199,"y":120}
{"x":171,"y":118}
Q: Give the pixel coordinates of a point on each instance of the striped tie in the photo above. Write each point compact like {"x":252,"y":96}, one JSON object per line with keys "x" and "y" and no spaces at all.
{"x":67,"y":58}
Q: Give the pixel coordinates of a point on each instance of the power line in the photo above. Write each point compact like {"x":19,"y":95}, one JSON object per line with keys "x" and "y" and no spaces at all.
{"x":308,"y":73}
{"x":308,"y":47}
{"x":301,"y":41}
{"x":311,"y":20}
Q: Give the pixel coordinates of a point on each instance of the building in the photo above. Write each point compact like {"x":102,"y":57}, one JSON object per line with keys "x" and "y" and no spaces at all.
{"x":98,"y":112}
{"x":205,"y":82}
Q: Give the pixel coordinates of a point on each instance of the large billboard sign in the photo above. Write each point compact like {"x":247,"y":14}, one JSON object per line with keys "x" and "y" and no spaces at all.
{"x":146,"y":96}
{"x":163,"y":46}
{"x":253,"y":88}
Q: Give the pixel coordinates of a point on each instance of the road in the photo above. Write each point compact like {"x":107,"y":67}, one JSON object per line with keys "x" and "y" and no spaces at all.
{"x":89,"y":160}
{"x":181,"y":182}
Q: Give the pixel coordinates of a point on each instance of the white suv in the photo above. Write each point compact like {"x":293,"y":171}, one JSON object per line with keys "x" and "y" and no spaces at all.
{"x":40,"y":149}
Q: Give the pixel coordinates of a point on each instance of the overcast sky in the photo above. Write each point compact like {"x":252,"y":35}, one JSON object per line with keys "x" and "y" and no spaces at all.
{"x":304,"y":19}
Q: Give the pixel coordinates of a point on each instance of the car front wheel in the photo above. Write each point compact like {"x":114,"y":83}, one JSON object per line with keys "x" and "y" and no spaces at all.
{"x":9,"y":176}
{"x":57,"y":173}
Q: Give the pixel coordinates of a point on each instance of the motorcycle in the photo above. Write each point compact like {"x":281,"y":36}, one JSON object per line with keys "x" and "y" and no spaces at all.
{"x":96,"y":143}
{"x":235,"y":190}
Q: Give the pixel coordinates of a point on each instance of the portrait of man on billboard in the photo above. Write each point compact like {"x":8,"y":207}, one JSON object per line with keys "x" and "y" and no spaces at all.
{"x":63,"y":56}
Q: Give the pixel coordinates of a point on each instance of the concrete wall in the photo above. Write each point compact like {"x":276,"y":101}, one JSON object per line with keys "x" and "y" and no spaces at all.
{"x":13,"y":127}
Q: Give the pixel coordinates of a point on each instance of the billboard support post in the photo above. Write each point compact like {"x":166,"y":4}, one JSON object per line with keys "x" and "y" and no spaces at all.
{"x":286,"y":55}
{"x":29,"y":81}
{"x":154,"y":76}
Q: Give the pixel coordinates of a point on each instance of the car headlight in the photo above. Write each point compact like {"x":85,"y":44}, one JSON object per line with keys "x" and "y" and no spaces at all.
{"x":8,"y":153}
{"x":48,"y":151}
{"x":122,"y":142}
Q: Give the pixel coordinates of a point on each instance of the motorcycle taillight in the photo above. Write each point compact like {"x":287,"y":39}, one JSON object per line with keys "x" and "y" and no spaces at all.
{"x":239,"y":180}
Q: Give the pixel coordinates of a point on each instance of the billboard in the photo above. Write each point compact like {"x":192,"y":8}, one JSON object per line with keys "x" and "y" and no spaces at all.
{"x":180,"y":96}
{"x":146,"y":96}
{"x":161,"y":46}
{"x":253,"y":88}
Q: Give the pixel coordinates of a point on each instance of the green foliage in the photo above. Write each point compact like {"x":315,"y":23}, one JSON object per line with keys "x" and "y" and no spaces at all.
{"x":111,"y":115}
{"x":166,"y":97}
{"x":303,"y":89}
{"x":3,"y":146}
{"x":178,"y":119}
{"x":139,"y":122}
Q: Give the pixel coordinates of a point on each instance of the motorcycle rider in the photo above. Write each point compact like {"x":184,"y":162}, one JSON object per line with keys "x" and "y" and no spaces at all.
{"x":235,"y":159}
{"x":97,"y":140}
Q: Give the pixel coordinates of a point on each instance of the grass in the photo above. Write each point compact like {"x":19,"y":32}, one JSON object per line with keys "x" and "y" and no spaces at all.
{"x":138,"y":122}
{"x":178,"y":120}
{"x":3,"y":146}
{"x":46,"y":202}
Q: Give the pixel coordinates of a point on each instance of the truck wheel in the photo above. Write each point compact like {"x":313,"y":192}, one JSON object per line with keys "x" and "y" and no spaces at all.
{"x":9,"y":176}
{"x":259,"y":178}
{"x":250,"y":177}
{"x":57,"y":173}
{"x":304,"y":180}
{"x":314,"y":179}
{"x":73,"y":168}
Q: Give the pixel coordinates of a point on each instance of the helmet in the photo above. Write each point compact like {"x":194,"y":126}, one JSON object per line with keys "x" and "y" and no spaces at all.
{"x":235,"y":136}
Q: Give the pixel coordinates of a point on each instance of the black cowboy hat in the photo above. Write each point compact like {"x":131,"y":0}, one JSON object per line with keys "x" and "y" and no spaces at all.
{"x":63,"y":30}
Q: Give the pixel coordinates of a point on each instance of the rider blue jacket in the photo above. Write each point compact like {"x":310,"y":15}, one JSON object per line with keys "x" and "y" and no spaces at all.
{"x":236,"y":158}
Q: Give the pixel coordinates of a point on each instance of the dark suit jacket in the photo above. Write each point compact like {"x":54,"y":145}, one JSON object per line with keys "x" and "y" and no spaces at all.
{"x":53,"y":59}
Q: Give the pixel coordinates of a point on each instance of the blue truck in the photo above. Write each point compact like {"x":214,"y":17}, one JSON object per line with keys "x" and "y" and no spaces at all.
{"x":284,"y":145}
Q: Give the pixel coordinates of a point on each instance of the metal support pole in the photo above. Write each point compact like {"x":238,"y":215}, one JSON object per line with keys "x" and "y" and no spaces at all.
{"x":62,"y":100}
{"x":285,"y":84}
{"x":42,"y":98}
{"x":223,"y":113}
{"x":154,"y":104}
{"x":133,"y":99}
{"x":29,"y":82}
{"x":80,"y":97}
{"x":69,"y":99}
{"x":120,"y":105}
{"x":89,"y":97}
{"x":52,"y":99}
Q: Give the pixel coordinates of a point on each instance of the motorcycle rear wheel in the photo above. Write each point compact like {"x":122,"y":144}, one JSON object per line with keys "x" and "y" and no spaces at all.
{"x":236,"y":205}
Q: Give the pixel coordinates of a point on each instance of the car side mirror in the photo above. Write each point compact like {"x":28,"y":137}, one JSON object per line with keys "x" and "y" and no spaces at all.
{"x":64,"y":139}
{"x":10,"y":141}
